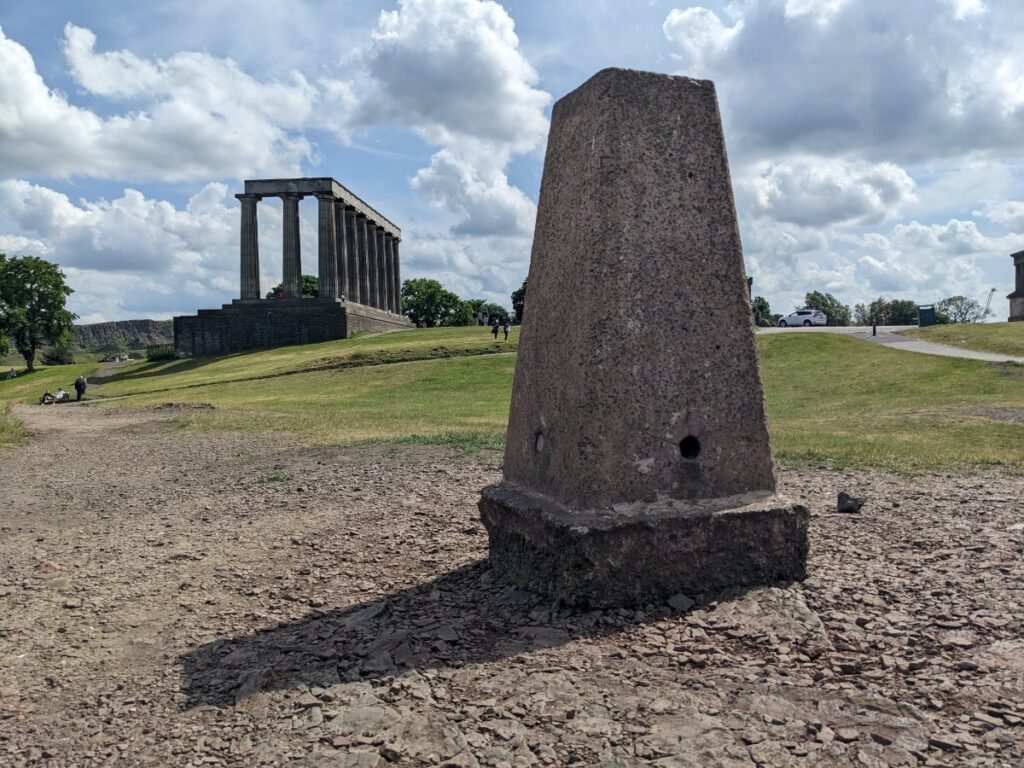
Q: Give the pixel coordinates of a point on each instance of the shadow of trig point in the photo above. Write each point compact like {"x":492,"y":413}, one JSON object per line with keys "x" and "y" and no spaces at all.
{"x":637,"y":463}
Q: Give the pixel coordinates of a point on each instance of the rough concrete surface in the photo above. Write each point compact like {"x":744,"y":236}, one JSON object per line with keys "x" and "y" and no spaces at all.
{"x":638,"y":334}
{"x":176,"y":598}
{"x":636,"y":378}
{"x":632,"y":554}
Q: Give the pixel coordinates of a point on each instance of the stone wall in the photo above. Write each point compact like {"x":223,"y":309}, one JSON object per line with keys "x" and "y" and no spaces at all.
{"x":264,"y":323}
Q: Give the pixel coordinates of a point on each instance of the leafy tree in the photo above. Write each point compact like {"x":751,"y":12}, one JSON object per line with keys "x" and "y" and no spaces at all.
{"x":886,"y":312}
{"x":518,"y":300}
{"x":33,"y":295}
{"x":902,"y":312}
{"x":838,"y":313}
{"x":310,"y":288}
{"x":461,"y":315}
{"x":488,"y":310}
{"x":960,"y":309}
{"x":427,"y":300}
{"x":762,"y":311}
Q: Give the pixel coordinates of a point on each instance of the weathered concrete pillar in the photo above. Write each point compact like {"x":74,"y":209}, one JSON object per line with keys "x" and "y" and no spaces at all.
{"x":364,"y":260}
{"x":351,"y":242}
{"x":383,"y":273}
{"x":250,"y":247}
{"x":341,"y":248}
{"x":398,"y":276}
{"x":1017,"y":297}
{"x":637,"y":462}
{"x":327,"y":247}
{"x":292,"y":250}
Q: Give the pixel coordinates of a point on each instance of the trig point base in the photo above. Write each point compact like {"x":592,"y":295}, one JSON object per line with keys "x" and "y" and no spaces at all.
{"x":637,"y":463}
{"x":643,"y":552}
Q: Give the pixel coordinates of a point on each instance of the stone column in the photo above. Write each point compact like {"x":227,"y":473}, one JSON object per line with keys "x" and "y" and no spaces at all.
{"x":250,"y":247}
{"x":384,"y":274}
{"x":341,"y":248}
{"x":364,"y":265}
{"x":351,"y":242}
{"x":398,"y":275}
{"x":327,"y":247}
{"x":389,"y":297}
{"x":373,"y":279}
{"x":291,"y":251}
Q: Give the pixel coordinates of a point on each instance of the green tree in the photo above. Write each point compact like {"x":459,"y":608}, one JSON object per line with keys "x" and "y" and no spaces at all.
{"x":426,"y":300}
{"x":310,"y":288}
{"x":838,"y":313}
{"x":518,"y":300}
{"x":886,"y":312}
{"x":33,"y":295}
{"x":762,"y":311}
{"x":960,"y":309}
{"x":461,"y":315}
{"x":902,"y":312}
{"x":488,"y":310}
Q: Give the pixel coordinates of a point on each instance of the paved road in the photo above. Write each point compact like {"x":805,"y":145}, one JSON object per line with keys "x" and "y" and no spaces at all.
{"x":889,"y":337}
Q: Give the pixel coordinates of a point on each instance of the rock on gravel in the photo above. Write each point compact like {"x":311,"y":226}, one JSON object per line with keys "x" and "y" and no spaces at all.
{"x":218,"y":616}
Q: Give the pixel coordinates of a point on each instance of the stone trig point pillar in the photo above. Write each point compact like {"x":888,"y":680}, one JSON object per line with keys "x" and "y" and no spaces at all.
{"x":638,"y":464}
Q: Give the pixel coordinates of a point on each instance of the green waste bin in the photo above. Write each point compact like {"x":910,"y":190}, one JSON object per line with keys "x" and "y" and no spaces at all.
{"x":926,"y":316}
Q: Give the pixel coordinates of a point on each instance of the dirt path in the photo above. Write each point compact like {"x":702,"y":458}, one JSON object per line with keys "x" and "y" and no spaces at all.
{"x":183,"y":598}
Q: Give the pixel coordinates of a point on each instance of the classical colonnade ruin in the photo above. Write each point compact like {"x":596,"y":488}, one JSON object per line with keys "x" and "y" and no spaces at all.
{"x":357,"y":247}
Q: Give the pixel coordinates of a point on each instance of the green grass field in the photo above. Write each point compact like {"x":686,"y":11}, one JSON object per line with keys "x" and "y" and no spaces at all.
{"x":831,"y":400}
{"x":999,"y":338}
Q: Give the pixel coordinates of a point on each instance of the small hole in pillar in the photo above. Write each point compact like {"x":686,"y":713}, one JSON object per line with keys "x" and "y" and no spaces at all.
{"x":538,"y":444}
{"x":689,"y":447}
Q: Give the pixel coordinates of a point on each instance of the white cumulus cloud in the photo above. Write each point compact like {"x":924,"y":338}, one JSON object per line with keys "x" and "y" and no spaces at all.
{"x":193,"y":117}
{"x":821,"y":191}
{"x":700,"y":35}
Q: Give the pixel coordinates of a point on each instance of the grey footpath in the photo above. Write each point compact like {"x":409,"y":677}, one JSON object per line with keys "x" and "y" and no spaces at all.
{"x":890,"y":336}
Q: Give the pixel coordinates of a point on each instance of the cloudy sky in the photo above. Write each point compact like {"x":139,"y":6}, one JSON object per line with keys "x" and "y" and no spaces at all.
{"x":876,"y":146}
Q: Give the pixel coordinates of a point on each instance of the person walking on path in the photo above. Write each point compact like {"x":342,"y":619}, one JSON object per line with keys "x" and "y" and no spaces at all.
{"x":494,"y":330}
{"x":80,"y":387}
{"x":505,"y":328}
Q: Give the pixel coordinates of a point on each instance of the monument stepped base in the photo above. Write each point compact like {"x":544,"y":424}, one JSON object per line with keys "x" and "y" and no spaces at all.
{"x":245,"y":325}
{"x":637,"y":553}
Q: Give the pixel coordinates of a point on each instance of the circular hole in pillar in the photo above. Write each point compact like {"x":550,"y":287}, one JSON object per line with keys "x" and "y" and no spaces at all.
{"x":689,"y":447}
{"x":538,"y":443}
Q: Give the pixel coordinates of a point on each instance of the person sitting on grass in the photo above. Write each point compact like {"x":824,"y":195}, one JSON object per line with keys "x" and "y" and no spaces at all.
{"x":46,"y":399}
{"x":60,"y":396}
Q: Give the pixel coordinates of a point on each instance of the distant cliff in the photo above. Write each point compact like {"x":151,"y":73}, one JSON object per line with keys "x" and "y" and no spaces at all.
{"x":127,"y":334}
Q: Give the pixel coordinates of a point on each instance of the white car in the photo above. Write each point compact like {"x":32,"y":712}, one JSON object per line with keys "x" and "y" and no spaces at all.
{"x":807,"y":317}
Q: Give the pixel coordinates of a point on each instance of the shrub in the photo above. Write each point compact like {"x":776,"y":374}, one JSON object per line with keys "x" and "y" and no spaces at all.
{"x":160,"y":352}
{"x":61,"y":354}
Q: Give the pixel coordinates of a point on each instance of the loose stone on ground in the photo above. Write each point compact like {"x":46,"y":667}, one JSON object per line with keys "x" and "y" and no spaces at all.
{"x":226,"y":618}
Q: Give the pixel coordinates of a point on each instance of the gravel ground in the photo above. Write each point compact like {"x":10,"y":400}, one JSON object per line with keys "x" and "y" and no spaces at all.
{"x":179,"y":598}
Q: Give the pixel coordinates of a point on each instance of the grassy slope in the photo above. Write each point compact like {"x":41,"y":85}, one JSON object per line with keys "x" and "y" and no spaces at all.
{"x":830,"y":399}
{"x":1000,"y":338}
{"x":846,"y":403}
{"x":201,"y":371}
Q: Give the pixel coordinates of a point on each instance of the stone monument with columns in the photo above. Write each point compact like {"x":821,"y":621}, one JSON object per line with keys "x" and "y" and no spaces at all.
{"x":359,"y":281}
{"x":637,"y":463}
{"x":1017,"y":297}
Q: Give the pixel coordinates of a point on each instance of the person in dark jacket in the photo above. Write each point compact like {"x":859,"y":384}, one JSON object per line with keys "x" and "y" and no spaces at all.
{"x":80,"y":386}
